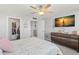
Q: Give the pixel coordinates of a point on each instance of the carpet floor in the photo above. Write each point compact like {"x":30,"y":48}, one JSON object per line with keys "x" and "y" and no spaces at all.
{"x":67,"y":51}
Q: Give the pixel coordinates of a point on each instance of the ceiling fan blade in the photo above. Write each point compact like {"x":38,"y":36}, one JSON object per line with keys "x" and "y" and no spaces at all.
{"x":47,"y":6}
{"x":35,"y":9}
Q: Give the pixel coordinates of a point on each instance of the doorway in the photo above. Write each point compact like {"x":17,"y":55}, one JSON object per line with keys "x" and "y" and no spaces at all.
{"x":14,"y":28}
{"x":38,"y":28}
{"x":34,"y":28}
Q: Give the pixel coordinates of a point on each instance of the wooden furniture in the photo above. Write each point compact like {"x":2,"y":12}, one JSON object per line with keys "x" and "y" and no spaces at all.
{"x":70,"y":40}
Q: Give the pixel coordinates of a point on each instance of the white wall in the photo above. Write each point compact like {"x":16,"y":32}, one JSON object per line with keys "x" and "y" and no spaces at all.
{"x":23,"y":23}
{"x":3,"y":26}
{"x":67,"y":29}
{"x":25,"y":28}
{"x":48,"y":25}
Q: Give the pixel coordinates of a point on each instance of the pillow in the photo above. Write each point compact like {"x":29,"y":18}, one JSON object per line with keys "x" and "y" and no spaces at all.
{"x":5,"y":45}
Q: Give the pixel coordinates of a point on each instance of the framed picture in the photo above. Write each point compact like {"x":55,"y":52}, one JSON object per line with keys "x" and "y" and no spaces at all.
{"x":65,"y":21}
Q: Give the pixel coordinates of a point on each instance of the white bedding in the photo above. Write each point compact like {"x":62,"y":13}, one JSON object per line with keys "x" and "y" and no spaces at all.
{"x":1,"y":52}
{"x":34,"y":46}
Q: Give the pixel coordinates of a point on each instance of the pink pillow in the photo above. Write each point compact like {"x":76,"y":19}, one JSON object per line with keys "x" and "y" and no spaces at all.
{"x":5,"y":45}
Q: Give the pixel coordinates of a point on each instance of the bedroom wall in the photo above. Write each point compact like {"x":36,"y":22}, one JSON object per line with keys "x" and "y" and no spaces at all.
{"x":67,"y":29}
{"x":24,"y":24}
{"x":48,"y":27}
{"x":4,"y":24}
{"x":25,"y":27}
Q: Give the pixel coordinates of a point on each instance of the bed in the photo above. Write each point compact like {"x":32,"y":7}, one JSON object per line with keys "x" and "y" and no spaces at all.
{"x":1,"y":53}
{"x":34,"y":46}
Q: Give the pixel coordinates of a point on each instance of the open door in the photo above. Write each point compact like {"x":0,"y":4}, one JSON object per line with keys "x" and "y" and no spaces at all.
{"x":34,"y":28}
{"x":14,"y":28}
{"x":38,"y":28}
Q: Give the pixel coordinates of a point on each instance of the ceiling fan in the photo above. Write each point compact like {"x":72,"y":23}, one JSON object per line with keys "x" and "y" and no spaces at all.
{"x":41,"y":9}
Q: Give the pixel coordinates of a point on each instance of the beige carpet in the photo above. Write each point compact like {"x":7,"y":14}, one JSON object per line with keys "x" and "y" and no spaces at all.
{"x":67,"y":51}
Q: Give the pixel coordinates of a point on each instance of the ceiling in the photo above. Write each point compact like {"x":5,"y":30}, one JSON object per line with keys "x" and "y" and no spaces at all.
{"x":26,"y":10}
{"x":61,"y":8}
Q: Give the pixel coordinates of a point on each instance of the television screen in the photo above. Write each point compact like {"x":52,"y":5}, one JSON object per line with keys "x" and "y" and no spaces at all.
{"x":65,"y":21}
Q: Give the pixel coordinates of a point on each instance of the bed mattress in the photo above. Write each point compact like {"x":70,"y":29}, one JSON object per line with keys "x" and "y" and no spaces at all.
{"x":34,"y":46}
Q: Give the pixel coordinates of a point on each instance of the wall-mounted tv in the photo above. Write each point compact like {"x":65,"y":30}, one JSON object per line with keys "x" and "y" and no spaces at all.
{"x":65,"y":21}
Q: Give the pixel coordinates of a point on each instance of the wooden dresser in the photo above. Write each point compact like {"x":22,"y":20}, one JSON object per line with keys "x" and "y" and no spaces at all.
{"x":69,"y":40}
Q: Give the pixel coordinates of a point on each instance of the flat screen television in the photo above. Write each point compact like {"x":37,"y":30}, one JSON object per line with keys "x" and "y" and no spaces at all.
{"x":65,"y":21}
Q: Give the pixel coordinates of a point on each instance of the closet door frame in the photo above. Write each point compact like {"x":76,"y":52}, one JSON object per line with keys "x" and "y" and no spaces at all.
{"x":9,"y":29}
{"x":40,"y":29}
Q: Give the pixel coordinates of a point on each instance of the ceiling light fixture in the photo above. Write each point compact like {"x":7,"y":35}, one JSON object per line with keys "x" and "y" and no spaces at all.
{"x":41,"y":13}
{"x":41,"y":9}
